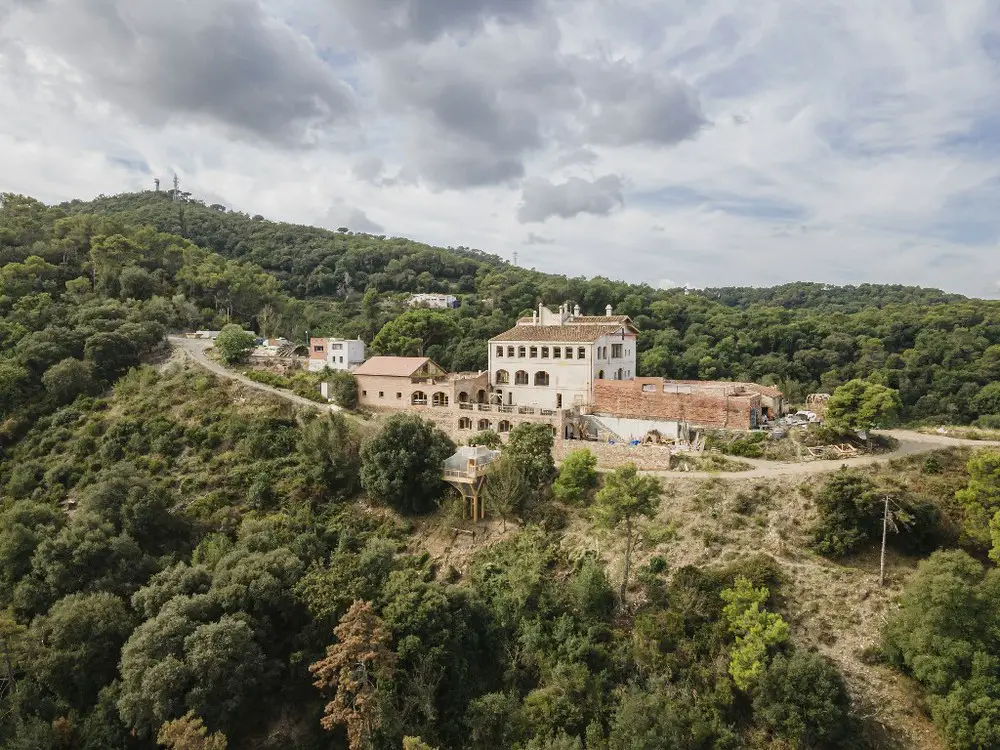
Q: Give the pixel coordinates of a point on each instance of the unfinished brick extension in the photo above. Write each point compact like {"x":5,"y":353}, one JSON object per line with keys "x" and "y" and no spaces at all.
{"x":725,"y":405}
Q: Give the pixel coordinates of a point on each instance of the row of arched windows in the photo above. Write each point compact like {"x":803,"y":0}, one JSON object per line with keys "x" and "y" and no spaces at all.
{"x":521,"y":378}
{"x":465,"y":423}
{"x":419,"y":398}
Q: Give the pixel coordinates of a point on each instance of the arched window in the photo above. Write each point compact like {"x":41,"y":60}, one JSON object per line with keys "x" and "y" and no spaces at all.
{"x":463,"y":397}
{"x":480,"y":396}
{"x":621,"y":374}
{"x":419,"y":398}
{"x":440,"y":399}
{"x":541,"y":378}
{"x":504,"y":426}
{"x":520,"y":378}
{"x":465,"y":423}
{"x":484,"y":424}
{"x":600,"y":375}
{"x":503,"y":377}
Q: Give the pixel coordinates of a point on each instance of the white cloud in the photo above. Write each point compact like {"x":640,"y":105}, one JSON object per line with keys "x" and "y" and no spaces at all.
{"x":829,"y":141}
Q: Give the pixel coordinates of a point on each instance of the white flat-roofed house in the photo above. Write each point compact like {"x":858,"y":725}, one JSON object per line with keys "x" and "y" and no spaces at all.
{"x":552,"y":359}
{"x":435,"y":301}
{"x":337,"y":354}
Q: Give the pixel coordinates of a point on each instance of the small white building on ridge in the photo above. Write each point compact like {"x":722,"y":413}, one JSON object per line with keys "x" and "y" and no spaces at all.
{"x":551,"y":360}
{"x":436,"y":301}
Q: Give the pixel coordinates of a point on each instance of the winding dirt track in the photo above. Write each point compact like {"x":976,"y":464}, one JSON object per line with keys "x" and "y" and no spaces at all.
{"x":196,"y":348}
{"x":909,"y":442}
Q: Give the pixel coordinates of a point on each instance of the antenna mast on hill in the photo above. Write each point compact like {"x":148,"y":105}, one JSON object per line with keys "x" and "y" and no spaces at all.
{"x":177,"y":188}
{"x":156,"y":183}
{"x":515,"y":257}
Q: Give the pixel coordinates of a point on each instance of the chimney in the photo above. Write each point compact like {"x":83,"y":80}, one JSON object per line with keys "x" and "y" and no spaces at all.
{"x":576,"y":311}
{"x":607,"y":311}
{"x":534,"y":318}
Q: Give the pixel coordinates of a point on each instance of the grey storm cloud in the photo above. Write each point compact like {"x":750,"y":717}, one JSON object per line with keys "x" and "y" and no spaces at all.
{"x":341,"y":214}
{"x":543,"y":199}
{"x":476,"y":123}
{"x":385,"y":23}
{"x":224,"y":60}
{"x":627,"y":106}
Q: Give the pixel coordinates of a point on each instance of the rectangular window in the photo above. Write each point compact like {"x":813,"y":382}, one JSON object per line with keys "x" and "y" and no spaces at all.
{"x":557,"y":352}
{"x":534,"y":352}
{"x":337,"y":347}
{"x":559,"y":401}
{"x":510,"y":351}
{"x":499,"y":351}
{"x":318,"y":348}
{"x":616,"y":351}
{"x":364,"y":393}
{"x":399,"y":395}
{"x":341,"y":360}
{"x":569,"y":352}
{"x":520,"y":352}
{"x":545,"y":352}
{"x":381,"y":394}
{"x":581,"y":353}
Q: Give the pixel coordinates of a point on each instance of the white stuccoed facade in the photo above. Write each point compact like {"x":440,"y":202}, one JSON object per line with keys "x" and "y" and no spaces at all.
{"x":337,"y":354}
{"x":551,"y":360}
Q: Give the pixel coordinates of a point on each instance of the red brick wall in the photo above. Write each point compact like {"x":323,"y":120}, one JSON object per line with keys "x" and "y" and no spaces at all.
{"x":625,"y":398}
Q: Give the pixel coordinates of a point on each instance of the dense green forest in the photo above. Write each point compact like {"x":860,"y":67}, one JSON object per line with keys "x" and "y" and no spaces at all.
{"x":937,"y":349}
{"x":188,"y":564}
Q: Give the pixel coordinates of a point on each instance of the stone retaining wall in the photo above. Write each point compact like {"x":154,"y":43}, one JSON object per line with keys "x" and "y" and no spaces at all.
{"x":646,"y":457}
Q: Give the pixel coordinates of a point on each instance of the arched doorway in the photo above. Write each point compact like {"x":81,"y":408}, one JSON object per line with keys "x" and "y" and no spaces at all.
{"x":463,"y":398}
{"x":484,"y":424}
{"x":621,"y":374}
{"x":481,"y":397}
{"x":419,"y":398}
{"x":440,"y":399}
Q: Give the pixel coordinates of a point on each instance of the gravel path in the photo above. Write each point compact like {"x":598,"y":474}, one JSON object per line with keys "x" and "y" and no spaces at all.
{"x":910,"y":443}
{"x":196,"y":350}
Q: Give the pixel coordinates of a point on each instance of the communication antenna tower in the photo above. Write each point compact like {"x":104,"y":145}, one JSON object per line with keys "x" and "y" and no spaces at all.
{"x":515,"y":257}
{"x":156,"y":183}
{"x":177,"y":188}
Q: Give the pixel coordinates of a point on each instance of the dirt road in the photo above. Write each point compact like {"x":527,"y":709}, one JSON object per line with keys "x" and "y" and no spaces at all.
{"x":196,"y":348}
{"x":909,"y":443}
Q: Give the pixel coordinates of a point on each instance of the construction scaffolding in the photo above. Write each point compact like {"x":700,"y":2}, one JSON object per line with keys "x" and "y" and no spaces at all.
{"x":466,"y":471}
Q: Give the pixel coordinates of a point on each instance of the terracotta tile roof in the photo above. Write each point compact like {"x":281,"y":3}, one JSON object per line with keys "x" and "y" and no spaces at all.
{"x":573,"y":334}
{"x":402,"y":367}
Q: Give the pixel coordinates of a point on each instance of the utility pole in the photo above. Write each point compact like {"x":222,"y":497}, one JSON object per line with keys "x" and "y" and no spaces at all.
{"x":885,"y":532}
{"x":889,"y":519}
{"x":7,"y":682}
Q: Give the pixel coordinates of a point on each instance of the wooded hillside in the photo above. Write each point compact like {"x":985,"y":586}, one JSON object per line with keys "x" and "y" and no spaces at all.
{"x":938,"y":349}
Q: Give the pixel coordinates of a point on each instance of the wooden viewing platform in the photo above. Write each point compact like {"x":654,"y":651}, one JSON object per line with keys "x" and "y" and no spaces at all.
{"x":466,"y":471}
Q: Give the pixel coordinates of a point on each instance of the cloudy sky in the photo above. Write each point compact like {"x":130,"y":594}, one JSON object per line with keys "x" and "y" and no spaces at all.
{"x":701,"y":142}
